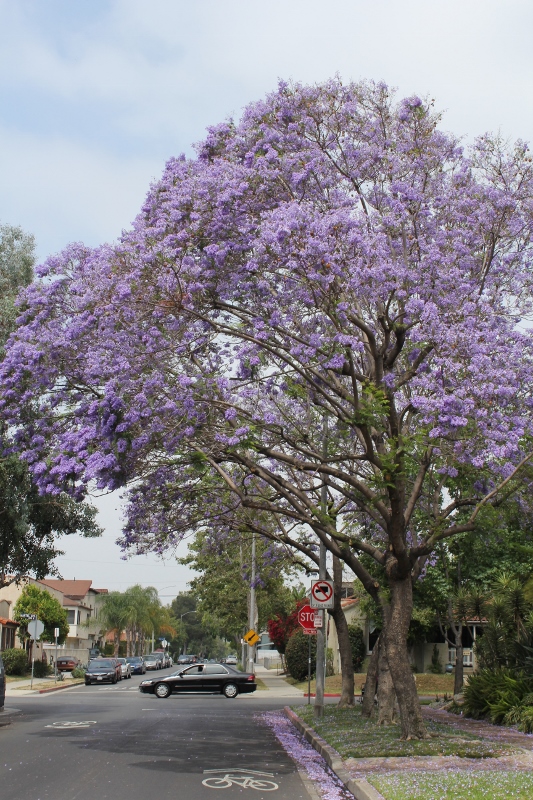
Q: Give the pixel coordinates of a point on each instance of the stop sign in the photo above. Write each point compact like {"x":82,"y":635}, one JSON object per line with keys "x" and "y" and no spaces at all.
{"x":306,"y":618}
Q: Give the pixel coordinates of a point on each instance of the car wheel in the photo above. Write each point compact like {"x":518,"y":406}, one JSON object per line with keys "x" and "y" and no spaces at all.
{"x":162,"y":690}
{"x":114,"y":679}
{"x":87,"y":683}
{"x":230,"y":690}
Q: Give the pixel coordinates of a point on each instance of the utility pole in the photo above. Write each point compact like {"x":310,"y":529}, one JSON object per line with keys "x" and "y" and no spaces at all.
{"x":251,"y":612}
{"x":322,"y":571}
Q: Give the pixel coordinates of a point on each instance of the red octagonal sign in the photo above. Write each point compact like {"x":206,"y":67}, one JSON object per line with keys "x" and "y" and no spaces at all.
{"x":306,"y":618}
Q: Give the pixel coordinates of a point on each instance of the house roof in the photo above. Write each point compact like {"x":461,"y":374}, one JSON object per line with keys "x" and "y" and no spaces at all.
{"x":74,"y":589}
{"x":5,"y":621}
{"x":349,"y":601}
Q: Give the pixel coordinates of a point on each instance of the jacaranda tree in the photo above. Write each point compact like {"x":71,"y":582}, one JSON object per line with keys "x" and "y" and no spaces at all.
{"x":322,"y":310}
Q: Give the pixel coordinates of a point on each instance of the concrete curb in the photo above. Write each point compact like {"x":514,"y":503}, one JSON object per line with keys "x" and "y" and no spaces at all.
{"x":7,"y":715}
{"x":361,"y":789}
{"x":59,"y":688}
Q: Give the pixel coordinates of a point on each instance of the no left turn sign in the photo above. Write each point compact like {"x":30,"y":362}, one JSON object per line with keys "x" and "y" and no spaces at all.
{"x":322,"y":594}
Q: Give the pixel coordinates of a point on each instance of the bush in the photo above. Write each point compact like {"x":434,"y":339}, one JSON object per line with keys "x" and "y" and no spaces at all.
{"x":297,"y":653}
{"x":497,"y":695}
{"x":41,"y":670}
{"x":436,"y":664}
{"x":15,"y":661}
{"x":78,"y":672}
{"x":358,"y":645}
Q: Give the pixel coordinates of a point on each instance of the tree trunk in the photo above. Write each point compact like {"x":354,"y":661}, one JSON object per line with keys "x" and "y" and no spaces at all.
{"x":371,"y":681}
{"x":117,"y":643}
{"x":396,"y":619}
{"x":343,"y":637}
{"x":386,"y":693}
{"x":459,"y":668}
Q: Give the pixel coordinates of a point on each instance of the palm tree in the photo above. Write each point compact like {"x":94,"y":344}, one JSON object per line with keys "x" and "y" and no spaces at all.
{"x":113,"y":613}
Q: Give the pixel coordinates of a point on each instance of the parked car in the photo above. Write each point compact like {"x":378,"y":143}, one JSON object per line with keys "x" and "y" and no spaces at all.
{"x":137,"y":665}
{"x":204,"y":678}
{"x":183,"y":659}
{"x":231,"y":660}
{"x":125,"y":667}
{"x":152,"y":662}
{"x":67,"y":663}
{"x":103,"y":669}
{"x":2,"y":683}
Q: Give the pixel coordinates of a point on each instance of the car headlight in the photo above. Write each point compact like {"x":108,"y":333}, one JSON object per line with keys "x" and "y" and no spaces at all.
{"x":146,"y":683}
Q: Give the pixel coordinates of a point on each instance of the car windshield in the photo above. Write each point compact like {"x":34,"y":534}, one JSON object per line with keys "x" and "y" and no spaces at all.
{"x":133,"y":659}
{"x":101,"y":664}
{"x":121,"y":660}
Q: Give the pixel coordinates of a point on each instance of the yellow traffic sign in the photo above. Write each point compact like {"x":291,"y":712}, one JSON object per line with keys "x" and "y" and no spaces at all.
{"x":251,"y":637}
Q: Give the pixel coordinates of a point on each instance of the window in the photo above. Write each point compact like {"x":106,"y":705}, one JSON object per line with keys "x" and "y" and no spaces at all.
{"x":71,"y":617}
{"x":467,"y":656}
{"x":193,"y":670}
{"x":215,"y":669}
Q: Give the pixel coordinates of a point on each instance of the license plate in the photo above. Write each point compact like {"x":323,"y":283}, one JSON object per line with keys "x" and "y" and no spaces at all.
{"x":100,"y":678}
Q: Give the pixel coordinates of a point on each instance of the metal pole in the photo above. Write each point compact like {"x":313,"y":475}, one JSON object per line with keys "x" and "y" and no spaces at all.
{"x":55,"y":665}
{"x":309,"y":671}
{"x":322,"y":567}
{"x":251,"y":614}
{"x":32,"y":663}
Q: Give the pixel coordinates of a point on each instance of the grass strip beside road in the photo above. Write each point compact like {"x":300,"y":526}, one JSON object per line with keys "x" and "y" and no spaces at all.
{"x":355,"y":737}
{"x":451,"y":785}
{"x":426,"y":684}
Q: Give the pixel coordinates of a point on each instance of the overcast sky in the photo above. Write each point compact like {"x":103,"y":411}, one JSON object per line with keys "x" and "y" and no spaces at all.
{"x":95,"y":96}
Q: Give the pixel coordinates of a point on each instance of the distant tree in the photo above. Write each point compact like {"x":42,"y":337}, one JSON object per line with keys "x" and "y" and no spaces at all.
{"x":47,"y":608}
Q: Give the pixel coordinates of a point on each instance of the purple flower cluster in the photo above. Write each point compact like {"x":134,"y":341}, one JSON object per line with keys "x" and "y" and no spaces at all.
{"x":306,"y":757}
{"x":332,"y":256}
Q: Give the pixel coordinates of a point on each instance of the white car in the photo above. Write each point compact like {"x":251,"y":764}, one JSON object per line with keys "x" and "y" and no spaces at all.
{"x":231,"y":660}
{"x":125,"y":667}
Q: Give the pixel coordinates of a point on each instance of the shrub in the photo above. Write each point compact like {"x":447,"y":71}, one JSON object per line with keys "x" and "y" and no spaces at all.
{"x":15,"y":661}
{"x":496,"y":694}
{"x":78,"y":672}
{"x":41,"y":670}
{"x":358,"y":645}
{"x":297,"y":653}
{"x":436,"y":664}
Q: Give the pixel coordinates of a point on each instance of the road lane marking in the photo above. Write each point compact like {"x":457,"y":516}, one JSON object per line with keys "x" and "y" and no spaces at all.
{"x":247,"y":779}
{"x":71,"y":725}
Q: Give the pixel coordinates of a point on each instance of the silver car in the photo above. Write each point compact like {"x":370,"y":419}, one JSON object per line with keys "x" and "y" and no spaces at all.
{"x":152,"y":662}
{"x":124,"y":667}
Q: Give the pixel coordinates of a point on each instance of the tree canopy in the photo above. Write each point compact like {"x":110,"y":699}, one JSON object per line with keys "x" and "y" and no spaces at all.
{"x":328,"y":295}
{"x":48,"y":609}
{"x":30,"y":521}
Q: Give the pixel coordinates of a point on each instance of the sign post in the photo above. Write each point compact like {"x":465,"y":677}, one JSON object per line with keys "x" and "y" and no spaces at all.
{"x":35,"y":629}
{"x":306,"y":618}
{"x":56,"y":636}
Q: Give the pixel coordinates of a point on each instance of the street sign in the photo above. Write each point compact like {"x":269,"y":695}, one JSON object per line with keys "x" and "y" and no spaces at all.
{"x":306,"y":618}
{"x":28,"y":616}
{"x":318,"y":620}
{"x":322,"y":594}
{"x":251,"y":637}
{"x":56,"y":633}
{"x":35,"y":628}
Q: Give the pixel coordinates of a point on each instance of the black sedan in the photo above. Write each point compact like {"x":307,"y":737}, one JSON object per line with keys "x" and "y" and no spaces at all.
{"x":204,"y":678}
{"x":103,"y":669}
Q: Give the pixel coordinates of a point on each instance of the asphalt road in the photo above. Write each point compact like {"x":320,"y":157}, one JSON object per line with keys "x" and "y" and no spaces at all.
{"x":99,"y":742}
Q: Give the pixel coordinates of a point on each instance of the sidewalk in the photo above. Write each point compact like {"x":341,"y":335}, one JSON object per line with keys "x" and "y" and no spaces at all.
{"x":277,"y":685}
{"x":22,"y":688}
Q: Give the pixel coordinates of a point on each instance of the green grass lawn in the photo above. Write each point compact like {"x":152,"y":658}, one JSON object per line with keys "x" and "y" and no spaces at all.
{"x":454,"y":785}
{"x":355,"y":737}
{"x":426,"y":684}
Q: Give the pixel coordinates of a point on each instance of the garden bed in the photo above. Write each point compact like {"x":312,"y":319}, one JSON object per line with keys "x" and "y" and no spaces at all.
{"x":356,"y":737}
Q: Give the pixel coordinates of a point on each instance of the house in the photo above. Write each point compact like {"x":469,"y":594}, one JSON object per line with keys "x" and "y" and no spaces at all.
{"x":421,"y":653}
{"x":78,"y":598}
{"x":8,"y":627}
